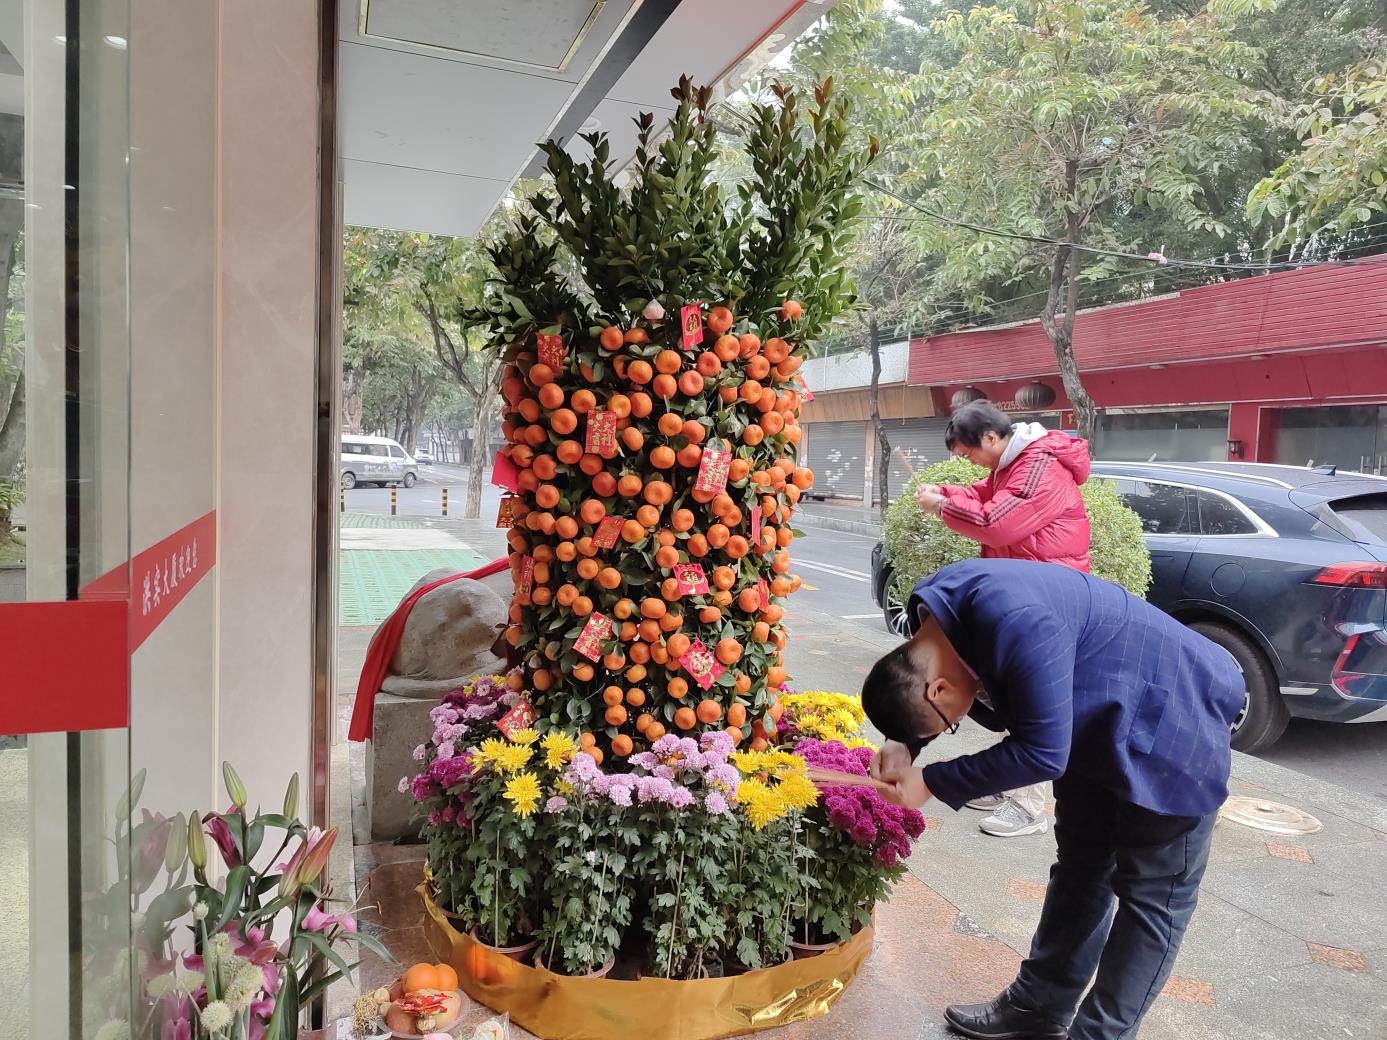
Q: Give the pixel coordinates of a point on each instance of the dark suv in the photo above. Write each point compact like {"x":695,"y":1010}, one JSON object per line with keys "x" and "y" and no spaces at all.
{"x":1285,"y":568}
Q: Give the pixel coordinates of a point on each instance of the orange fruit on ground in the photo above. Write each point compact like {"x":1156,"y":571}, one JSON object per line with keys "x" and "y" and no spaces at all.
{"x":611,"y":696}
{"x":668,"y":362}
{"x":541,"y":375}
{"x":736,"y":715}
{"x":709,"y":711}
{"x":664,"y":386}
{"x":670,"y":424}
{"x":662,"y":457}
{"x":551,"y":396}
{"x":422,"y":976}
{"x":685,"y":718}
{"x":640,"y":372}
{"x":621,"y":745}
{"x":615,"y":715}
{"x":654,"y":608}
{"x":611,"y":338}
{"x":637,"y":337}
{"x":719,"y":320}
{"x":729,"y":651}
{"x":791,"y":310}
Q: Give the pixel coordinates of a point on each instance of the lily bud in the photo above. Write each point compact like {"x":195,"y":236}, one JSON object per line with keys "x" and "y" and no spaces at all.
{"x":235,"y":790}
{"x":197,"y":843}
{"x":130,"y":798}
{"x":291,"y":797}
{"x":177,"y":849}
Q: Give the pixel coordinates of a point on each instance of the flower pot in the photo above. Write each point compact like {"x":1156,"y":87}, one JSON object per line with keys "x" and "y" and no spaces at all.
{"x":803,"y":951}
{"x":601,"y":973}
{"x":522,"y":953}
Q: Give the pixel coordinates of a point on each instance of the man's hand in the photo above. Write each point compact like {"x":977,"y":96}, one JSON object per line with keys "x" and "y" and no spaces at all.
{"x":891,"y":764}
{"x":928,"y":497}
{"x":910,"y":792}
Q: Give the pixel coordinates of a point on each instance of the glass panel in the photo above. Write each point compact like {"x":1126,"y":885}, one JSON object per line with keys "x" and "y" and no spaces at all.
{"x":1197,"y":435}
{"x":1217,"y":515}
{"x":1163,"y":508}
{"x":1365,"y":516}
{"x":1351,"y":437}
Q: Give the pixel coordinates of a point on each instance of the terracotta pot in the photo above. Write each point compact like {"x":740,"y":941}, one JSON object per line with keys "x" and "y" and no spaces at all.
{"x":600,"y":973}
{"x":803,"y":951}
{"x":522,"y":953}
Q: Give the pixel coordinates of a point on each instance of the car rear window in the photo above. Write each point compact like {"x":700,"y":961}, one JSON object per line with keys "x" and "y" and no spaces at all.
{"x":1365,"y":516}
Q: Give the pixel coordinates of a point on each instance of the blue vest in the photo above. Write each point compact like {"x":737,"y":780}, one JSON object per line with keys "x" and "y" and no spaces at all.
{"x":1085,"y":679}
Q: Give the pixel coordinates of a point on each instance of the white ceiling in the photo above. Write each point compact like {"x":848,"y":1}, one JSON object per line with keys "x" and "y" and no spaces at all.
{"x":434,"y":131}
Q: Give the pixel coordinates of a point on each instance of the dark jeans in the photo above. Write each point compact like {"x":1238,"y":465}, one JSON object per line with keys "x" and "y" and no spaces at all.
{"x":1111,"y":851}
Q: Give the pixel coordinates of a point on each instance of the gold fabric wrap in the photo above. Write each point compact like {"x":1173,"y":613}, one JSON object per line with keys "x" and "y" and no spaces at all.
{"x":557,"y":1007}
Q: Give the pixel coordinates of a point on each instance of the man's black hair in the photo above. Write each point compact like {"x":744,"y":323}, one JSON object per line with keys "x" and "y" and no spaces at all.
{"x":971,"y":423}
{"x":893,"y":691}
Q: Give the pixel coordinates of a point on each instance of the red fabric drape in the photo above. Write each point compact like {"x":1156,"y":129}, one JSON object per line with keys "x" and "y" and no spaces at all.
{"x":384,"y":644}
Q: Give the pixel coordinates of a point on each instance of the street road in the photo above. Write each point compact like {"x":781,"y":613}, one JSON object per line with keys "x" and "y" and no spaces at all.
{"x":426,"y":497}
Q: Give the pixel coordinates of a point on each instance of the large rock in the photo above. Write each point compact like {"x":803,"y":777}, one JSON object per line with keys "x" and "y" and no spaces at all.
{"x":452,"y":634}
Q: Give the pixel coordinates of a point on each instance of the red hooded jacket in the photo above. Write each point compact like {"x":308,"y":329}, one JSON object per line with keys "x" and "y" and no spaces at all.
{"x":1029,"y":508}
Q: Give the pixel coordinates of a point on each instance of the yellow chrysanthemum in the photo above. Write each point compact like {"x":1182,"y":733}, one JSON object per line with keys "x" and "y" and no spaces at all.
{"x":502,"y":757}
{"x":522,"y":791}
{"x":524,"y":736}
{"x":827,"y":716}
{"x":563,"y":787}
{"x":797,"y":791}
{"x":775,"y":785}
{"x":761,"y":807}
{"x":559,"y":749}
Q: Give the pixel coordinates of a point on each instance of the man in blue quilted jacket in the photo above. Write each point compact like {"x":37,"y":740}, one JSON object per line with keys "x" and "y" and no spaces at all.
{"x":1128,"y":712}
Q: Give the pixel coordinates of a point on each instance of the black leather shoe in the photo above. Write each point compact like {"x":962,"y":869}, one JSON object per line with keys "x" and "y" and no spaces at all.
{"x":1000,"y":1020}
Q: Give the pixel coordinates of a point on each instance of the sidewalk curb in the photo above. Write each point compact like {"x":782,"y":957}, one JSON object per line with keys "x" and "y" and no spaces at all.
{"x":833,"y":523}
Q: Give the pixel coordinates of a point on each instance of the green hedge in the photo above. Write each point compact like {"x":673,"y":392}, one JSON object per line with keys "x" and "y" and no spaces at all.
{"x":918,"y":543}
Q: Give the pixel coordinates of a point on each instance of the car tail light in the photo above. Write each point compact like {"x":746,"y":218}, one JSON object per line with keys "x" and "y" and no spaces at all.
{"x":1354,"y":575}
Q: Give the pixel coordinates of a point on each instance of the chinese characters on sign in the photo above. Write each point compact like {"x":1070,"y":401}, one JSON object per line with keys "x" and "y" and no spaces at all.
{"x":700,"y":663}
{"x":526,"y":581}
{"x":169,"y":570}
{"x":692,"y":581}
{"x":808,"y":394}
{"x":552,"y":351}
{"x":607,"y":531}
{"x":601,"y":439}
{"x":589,"y":643}
{"x":712,"y":470}
{"x":522,"y":716}
{"x":505,"y":516}
{"x":691,"y":325}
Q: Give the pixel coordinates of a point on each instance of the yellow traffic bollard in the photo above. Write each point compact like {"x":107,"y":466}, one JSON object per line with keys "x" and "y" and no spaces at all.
{"x":341,"y":500}
{"x":394,"y":500}
{"x":445,"y":501}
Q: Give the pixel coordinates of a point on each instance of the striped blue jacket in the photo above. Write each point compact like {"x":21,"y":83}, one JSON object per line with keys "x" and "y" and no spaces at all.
{"x":1086,"y":680}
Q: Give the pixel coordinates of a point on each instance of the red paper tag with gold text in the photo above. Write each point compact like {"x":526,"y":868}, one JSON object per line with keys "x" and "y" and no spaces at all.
{"x":691,"y":324}
{"x":607,"y":532}
{"x":552,"y":351}
{"x":808,"y":394}
{"x":700,"y":663}
{"x":692,"y":581}
{"x":505,"y":516}
{"x":601,"y":439}
{"x":756,"y":526}
{"x":764,"y":591}
{"x":712,"y":470}
{"x":589,"y":643}
{"x":522,"y":716}
{"x":525,"y":582}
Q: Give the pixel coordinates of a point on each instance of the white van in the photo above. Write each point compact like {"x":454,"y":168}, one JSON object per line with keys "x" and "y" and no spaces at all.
{"x":375,"y":460}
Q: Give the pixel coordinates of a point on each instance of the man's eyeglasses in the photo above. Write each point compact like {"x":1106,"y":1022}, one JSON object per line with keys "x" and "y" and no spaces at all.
{"x":919,"y":743}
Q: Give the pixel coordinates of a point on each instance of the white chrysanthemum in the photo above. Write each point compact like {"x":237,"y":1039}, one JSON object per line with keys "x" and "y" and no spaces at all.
{"x":245,"y":984}
{"x":216,"y":1017}
{"x":161,"y":986}
{"x":199,"y":911}
{"x":116,"y":1029}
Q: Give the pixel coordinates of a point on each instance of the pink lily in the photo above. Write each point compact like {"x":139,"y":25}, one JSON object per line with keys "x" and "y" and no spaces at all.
{"x":316,"y":920}
{"x":308,"y":862}
{"x":219,"y":832}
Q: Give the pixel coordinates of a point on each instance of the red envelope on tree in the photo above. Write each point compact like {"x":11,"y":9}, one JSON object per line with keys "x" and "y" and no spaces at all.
{"x":692,"y":581}
{"x":691,"y":324}
{"x":808,"y":394}
{"x":552,"y":351}
{"x":712,"y":470}
{"x":756,"y":526}
{"x":601,"y":434}
{"x":700,"y":663}
{"x":522,"y":716}
{"x":525,"y":582}
{"x":589,"y":644}
{"x":505,"y":473}
{"x":764,"y":591}
{"x":607,"y":531}
{"x":505,"y":516}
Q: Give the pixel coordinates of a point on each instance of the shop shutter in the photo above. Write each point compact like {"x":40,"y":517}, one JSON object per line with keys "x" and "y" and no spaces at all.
{"x":919,"y":440}
{"x":835,"y":456}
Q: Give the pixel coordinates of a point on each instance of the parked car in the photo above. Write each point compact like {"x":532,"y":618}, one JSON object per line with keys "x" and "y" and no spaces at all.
{"x":423,"y":456}
{"x":375,"y":460}
{"x":1285,"y":568}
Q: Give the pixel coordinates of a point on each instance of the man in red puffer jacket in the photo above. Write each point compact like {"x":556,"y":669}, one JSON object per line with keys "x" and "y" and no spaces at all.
{"x":1027,"y":508}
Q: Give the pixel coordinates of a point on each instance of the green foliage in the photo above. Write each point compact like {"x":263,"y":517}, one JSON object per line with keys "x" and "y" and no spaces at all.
{"x":1338,"y":178}
{"x":919,"y":544}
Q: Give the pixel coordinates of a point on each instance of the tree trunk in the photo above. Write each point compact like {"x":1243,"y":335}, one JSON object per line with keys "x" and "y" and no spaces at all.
{"x":1064,"y":290}
{"x":11,"y":403}
{"x":353,"y":391}
{"x":12,"y":430}
{"x":878,"y":427}
{"x":485,"y":406}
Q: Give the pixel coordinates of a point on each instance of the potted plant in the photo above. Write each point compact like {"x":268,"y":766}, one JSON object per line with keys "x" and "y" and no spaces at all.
{"x":857,"y":843}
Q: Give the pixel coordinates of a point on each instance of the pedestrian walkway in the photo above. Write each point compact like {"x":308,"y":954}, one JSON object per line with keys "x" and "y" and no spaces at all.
{"x":382,"y":557}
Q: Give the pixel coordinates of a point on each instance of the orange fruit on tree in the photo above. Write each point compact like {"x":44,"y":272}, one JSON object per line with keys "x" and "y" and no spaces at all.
{"x":658,"y":493}
{"x":612,"y":695}
{"x":788,"y":367}
{"x":720,"y":319}
{"x":542,"y":679}
{"x":566,"y":527}
{"x":791,"y":310}
{"x":748,"y":345}
{"x":654,"y":731}
{"x":738,"y":470}
{"x":647,"y":516}
{"x":750,"y":391}
{"x":759,"y":744}
{"x":780,"y":562}
{"x":421,"y":976}
{"x":736,"y":715}
{"x":582,"y":671}
{"x":567,"y":593}
{"x":784,"y":537}
{"x":677,"y":687}
{"x":735,"y":732}
{"x":582,"y":606}
{"x":670,"y":424}
{"x":664,"y":386}
{"x":535,"y":435}
{"x":609,"y":578}
{"x":547,"y":496}
{"x":637,"y":337}
{"x":724,"y":578}
{"x":611,"y":338}
{"x":678,"y":645}
{"x":632,"y":438}
{"x":689,"y":455}
{"x":750,"y":601}
{"x":773,"y":613}
{"x":669,"y":589}
{"x":629,"y":486}
{"x":708,"y":364}
{"x":640,"y":653}
{"x":666,"y":557}
{"x":566,"y":552}
{"x":649,"y":629}
{"x":685,"y":718}
{"x":623,"y":609}
{"x":718,"y":535}
{"x":652,"y":607}
{"x":727,"y":348}
{"x":729,"y":651}
{"x":633,"y":531}
{"x":545,"y":467}
{"x":551,"y":396}
{"x":672,"y":622}
{"x":775,"y":677}
{"x":563,"y":421}
{"x":772,"y":423}
{"x":614,"y":661}
{"x":586,"y":546}
{"x":663,"y":457}
{"x":635,"y":696}
{"x":583,"y":401}
{"x":776,"y":350}
{"x":668,"y":362}
{"x":697,"y":546}
{"x":709,"y":615}
{"x":588,"y":568}
{"x":604,"y":484}
{"x":591,"y":464}
{"x":803,"y":478}
{"x":641,"y":405}
{"x":691,"y":383}
{"x":722,"y":598}
{"x":615,"y":715}
{"x":694,"y":431}
{"x":592,"y":511}
{"x":586,"y":740}
{"x":569,"y":452}
{"x":665,"y":537}
{"x":760,"y":632}
{"x":643,"y":721}
{"x":758,"y":368}
{"x":621,"y":745}
{"x":636,"y":673}
{"x":780,"y":585}
{"x":737,"y":547}
{"x":541,"y":375}
{"x":682,"y":519}
{"x":727,"y":394}
{"x":640,"y":372}
{"x":619,"y":405}
{"x":709,"y":711}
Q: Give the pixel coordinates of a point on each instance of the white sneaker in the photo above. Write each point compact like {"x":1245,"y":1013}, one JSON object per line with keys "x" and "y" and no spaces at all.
{"x":987,"y":803}
{"x":1012,"y":821}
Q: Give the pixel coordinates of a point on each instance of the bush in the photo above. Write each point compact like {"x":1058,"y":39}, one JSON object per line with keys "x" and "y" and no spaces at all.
{"x":918,"y":543}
